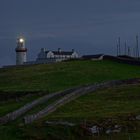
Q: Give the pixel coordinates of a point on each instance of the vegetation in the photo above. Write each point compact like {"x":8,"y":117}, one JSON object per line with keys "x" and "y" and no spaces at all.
{"x":10,"y":105}
{"x":118,"y":102}
{"x":59,"y":76}
{"x":108,"y":103}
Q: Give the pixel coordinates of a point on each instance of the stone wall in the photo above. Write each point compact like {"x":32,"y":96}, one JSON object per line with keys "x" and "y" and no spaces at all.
{"x":15,"y":114}
{"x":67,"y":96}
{"x":75,"y":94}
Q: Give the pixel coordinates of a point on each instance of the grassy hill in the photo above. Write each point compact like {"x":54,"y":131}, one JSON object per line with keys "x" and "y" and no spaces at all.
{"x":114,"y":102}
{"x":94,"y":108}
{"x":107,"y":103}
{"x":54,"y":77}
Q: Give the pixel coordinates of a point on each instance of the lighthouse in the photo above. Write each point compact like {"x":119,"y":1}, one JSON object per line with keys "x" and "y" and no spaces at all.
{"x":21,"y":51}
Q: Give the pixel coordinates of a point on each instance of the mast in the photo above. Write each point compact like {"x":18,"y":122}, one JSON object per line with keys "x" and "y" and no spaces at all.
{"x":119,"y":46}
{"x":125,"y":48}
{"x":137,"y":46}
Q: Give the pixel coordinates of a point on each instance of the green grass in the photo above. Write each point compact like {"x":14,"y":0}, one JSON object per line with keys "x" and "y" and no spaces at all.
{"x":9,"y":106}
{"x":59,"y":76}
{"x":74,"y":133}
{"x":114,"y":102}
{"x":42,"y":105}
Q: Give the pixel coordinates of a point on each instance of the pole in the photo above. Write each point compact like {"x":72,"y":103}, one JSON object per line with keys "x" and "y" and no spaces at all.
{"x":125,"y":49}
{"x":119,"y":43}
{"x":117,"y":49}
{"x":137,"y":46}
{"x":128,"y":51}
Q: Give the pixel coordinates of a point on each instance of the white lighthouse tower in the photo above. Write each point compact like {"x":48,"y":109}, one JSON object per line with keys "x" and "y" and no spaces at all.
{"x":21,"y":51}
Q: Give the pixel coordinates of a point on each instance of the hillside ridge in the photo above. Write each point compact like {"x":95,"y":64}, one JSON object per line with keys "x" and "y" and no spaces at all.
{"x":66,"y":96}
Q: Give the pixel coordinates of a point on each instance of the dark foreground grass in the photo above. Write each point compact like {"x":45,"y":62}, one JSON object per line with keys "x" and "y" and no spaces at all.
{"x":117,"y":103}
{"x":59,"y":76}
{"x":107,"y":103}
{"x":11,"y":105}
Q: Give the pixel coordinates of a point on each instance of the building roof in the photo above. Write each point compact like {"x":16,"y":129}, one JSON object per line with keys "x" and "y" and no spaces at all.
{"x":92,"y":56}
{"x":61,"y":52}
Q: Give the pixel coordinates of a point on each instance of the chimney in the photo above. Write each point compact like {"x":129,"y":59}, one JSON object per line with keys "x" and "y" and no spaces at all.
{"x":73,"y":50}
{"x":43,"y":49}
{"x":59,"y":50}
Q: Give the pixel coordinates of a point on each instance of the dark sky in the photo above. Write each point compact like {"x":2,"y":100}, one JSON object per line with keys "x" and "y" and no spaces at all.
{"x":88,"y":26}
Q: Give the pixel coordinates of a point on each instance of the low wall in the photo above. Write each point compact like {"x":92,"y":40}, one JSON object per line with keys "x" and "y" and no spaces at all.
{"x":67,"y":96}
{"x":75,"y":94}
{"x":15,"y":114}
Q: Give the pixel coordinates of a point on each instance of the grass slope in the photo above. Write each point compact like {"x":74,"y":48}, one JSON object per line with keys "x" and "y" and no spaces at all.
{"x":54,"y":77}
{"x":116,"y":102}
{"x":107,"y":103}
{"x":11,"y":105}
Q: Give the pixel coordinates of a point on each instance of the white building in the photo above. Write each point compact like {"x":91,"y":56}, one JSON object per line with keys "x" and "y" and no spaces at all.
{"x":55,"y":56}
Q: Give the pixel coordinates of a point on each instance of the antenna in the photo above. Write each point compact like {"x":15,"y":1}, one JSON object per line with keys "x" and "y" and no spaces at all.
{"x":125,"y":48}
{"x":134,"y":52}
{"x":128,"y":51}
{"x":137,"y":46}
{"x":119,"y":46}
{"x":117,"y":49}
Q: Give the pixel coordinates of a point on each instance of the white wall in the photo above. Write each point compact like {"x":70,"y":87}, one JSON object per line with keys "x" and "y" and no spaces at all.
{"x":75,"y":55}
{"x":50,"y":54}
{"x":21,"y":58}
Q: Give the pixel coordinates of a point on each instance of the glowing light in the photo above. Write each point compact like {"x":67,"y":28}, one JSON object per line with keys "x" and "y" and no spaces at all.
{"x":21,"y":40}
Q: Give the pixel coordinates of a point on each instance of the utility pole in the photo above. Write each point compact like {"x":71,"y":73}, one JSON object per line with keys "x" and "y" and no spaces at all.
{"x":125,"y":48}
{"x":117,"y":49}
{"x":119,"y":46}
{"x":134,"y":52}
{"x":137,"y":46}
{"x":129,"y":51}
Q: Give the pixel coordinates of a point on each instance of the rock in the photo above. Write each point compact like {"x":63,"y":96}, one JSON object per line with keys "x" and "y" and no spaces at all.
{"x":115,"y":129}
{"x":94,"y":130}
{"x":138,"y":117}
{"x":108,"y":131}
